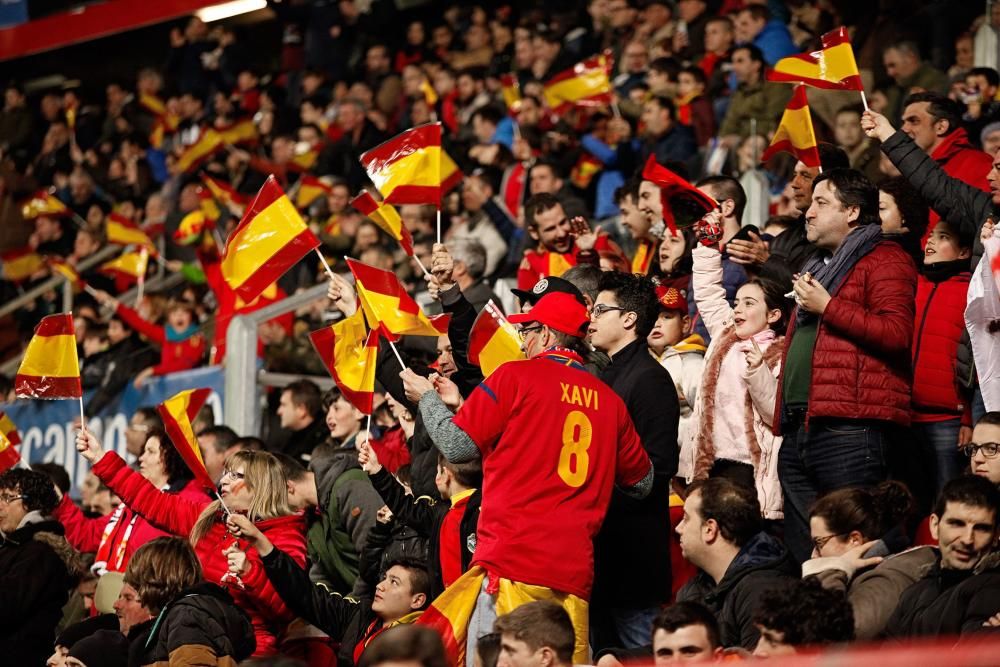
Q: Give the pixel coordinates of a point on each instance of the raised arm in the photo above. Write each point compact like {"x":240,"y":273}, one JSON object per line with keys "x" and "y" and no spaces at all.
{"x":709,"y":293}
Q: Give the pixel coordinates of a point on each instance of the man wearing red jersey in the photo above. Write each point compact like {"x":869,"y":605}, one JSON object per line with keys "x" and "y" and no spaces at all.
{"x":558,"y":245}
{"x":554,"y":440}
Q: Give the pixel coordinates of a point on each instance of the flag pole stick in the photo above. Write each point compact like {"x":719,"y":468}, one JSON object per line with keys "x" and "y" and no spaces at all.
{"x":83,"y":417}
{"x":223,"y":503}
{"x":89,"y":290}
{"x":326,"y":265}
{"x":368,"y":430}
{"x":396,"y":352}
{"x":615,"y":109}
{"x":439,"y":224}
{"x":427,"y":274}
{"x":864,"y":100}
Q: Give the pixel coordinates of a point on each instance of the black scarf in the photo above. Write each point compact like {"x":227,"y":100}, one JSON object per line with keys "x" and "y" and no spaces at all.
{"x":858,"y":243}
{"x":939,"y":272}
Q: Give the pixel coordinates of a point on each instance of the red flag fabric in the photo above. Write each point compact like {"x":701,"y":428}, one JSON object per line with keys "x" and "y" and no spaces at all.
{"x":50,"y":368}
{"x":349,"y":351}
{"x":671,"y":185}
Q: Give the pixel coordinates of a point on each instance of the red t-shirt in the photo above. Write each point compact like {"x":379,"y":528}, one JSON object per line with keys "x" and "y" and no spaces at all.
{"x":554,"y":441}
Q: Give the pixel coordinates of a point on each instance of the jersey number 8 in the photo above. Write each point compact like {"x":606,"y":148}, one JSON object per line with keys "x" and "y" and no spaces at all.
{"x":573,"y":459}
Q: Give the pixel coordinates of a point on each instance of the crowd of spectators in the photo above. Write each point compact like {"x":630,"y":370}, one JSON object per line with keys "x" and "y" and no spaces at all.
{"x":797,"y":414}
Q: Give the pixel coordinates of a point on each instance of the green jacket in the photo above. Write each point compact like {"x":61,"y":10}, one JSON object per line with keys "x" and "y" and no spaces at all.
{"x":925,"y":78}
{"x":348,"y":505}
{"x":764,"y":101}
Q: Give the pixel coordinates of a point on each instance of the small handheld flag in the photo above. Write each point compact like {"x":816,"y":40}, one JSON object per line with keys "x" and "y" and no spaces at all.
{"x":349,"y":351}
{"x":585,"y":84}
{"x":178,"y":412}
{"x":795,"y":133}
{"x":50,"y":368}
{"x":493,"y":340}
{"x":387,"y":305}
{"x":386,"y":217}
{"x":671,"y":185}
{"x":407,"y":168}
{"x":832,"y":67}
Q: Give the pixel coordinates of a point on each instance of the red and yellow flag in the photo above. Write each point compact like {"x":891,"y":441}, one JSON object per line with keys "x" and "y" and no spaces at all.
{"x":240,"y":132}
{"x":585,"y":84}
{"x":207,"y":144}
{"x":19,"y":265}
{"x":493,"y":340}
{"x":128,"y":266}
{"x":408,"y":168}
{"x":270,"y":239}
{"x":832,"y":67}
{"x":191,"y":227}
{"x":348,"y":351}
{"x":388,"y":306}
{"x":671,"y":185}
{"x":510,"y":88}
{"x":42,"y":203}
{"x":584,"y":170}
{"x":50,"y":368}
{"x":310,"y":189}
{"x":63,"y":268}
{"x":307,"y":160}
{"x":795,"y":133}
{"x":386,"y":217}
{"x":223,"y":192}
{"x":430,"y":95}
{"x":9,"y":455}
{"x":450,"y":175}
{"x":122,"y":231}
{"x":645,"y":250}
{"x":9,"y":430}
{"x":177,"y":413}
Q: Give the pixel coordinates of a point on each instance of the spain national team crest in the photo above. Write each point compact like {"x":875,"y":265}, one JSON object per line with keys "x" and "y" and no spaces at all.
{"x":540,"y":286}
{"x":470,"y":543}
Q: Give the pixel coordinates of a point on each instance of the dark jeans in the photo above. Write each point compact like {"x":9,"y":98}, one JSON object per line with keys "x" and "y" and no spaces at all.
{"x":833,"y":454}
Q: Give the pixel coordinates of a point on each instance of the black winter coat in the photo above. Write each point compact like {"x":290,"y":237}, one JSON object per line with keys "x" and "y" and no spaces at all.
{"x":425,"y":515}
{"x":762,"y":564}
{"x":632,"y":550}
{"x":34,"y":586}
{"x":956,"y":201}
{"x":201,"y":626}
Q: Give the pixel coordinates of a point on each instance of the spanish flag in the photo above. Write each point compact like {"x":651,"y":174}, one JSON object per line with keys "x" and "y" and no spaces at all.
{"x":127,"y":267}
{"x":122,"y":231}
{"x":430,"y":95}
{"x":450,"y":175}
{"x":152,"y":104}
{"x":348,"y":351}
{"x":493,"y":340}
{"x":388,"y":306}
{"x":191,"y":227}
{"x":671,"y":185}
{"x":510,"y":89}
{"x":18,"y":265}
{"x":177,"y":413}
{"x":585,"y":84}
{"x":270,"y":239}
{"x":207,"y":144}
{"x":50,"y":368}
{"x":795,"y":132}
{"x":386,"y":217}
{"x":644,"y":253}
{"x":207,"y":204}
{"x":310,"y":189}
{"x":407,"y":169}
{"x":42,"y":203}
{"x":9,"y":456}
{"x":223,"y":192}
{"x":307,"y":160}
{"x":8,"y":430}
{"x":449,"y":614}
{"x":240,"y":132}
{"x":63,"y":268}
{"x":832,"y":67}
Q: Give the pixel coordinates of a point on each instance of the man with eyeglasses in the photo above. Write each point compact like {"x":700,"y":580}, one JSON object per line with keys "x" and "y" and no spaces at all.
{"x":984,"y":450}
{"x":554,"y":441}
{"x":632,"y":551}
{"x":34,"y":577}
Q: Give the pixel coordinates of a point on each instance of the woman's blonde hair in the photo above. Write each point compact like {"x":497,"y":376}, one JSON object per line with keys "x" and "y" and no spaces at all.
{"x":264,"y":478}
{"x":160,"y":569}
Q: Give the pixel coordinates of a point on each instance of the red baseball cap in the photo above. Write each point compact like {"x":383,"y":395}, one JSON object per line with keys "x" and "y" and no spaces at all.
{"x":558,"y":311}
{"x":670,"y":298}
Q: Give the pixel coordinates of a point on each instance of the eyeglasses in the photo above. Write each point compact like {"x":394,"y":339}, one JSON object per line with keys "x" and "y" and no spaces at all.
{"x":989,"y":449}
{"x":820,"y":542}
{"x":523,"y":332}
{"x":233,"y":474}
{"x":7,"y":499}
{"x":601,"y":308}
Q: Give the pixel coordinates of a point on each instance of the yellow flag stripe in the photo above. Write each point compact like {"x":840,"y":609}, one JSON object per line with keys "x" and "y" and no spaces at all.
{"x":269,"y":231}
{"x":834,"y":64}
{"x":51,"y":356}
{"x":420,"y":168}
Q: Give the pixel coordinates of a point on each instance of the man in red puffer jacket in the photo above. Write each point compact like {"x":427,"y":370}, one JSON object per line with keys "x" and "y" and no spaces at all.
{"x":845,"y":376}
{"x":942,"y":416}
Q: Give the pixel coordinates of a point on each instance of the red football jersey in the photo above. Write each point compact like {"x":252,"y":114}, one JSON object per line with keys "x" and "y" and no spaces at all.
{"x":554,"y":441}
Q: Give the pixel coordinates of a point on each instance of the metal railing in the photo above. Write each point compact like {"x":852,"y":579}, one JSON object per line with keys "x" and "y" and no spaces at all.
{"x":242,"y":401}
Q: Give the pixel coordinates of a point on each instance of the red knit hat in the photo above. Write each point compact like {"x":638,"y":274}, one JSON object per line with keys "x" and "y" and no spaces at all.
{"x":558,"y":311}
